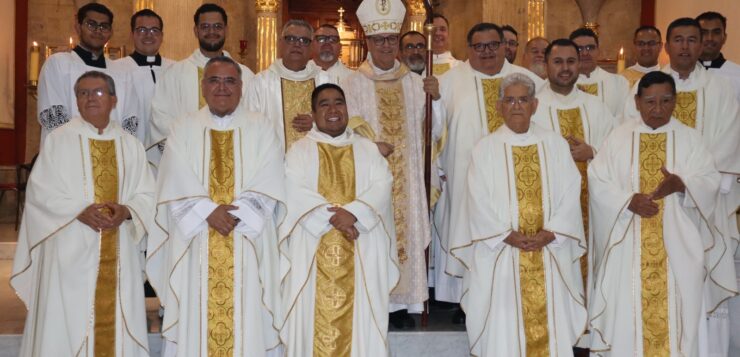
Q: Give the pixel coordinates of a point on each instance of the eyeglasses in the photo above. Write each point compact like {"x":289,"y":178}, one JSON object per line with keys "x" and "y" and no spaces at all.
{"x":87,"y":93}
{"x":380,"y":40}
{"x":93,"y":26}
{"x":227,"y":81}
{"x":301,"y":41}
{"x":417,"y":46}
{"x":217,"y":27}
{"x":154,"y":31}
{"x":589,"y":48}
{"x":481,"y":47}
{"x":511,"y":101}
{"x":511,"y":43}
{"x":326,"y":39}
{"x":647,"y":43}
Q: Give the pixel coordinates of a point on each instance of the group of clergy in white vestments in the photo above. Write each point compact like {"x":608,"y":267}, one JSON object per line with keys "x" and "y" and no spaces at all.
{"x":285,"y":213}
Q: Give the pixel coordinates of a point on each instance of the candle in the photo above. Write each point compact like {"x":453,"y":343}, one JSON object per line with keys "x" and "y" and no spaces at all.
{"x":71,"y":44}
{"x":106,"y":51}
{"x":620,"y":60}
{"x":33,"y":70}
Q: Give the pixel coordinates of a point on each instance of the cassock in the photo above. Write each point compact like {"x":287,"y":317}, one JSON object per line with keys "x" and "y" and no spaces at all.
{"x":391,"y":103}
{"x":83,"y":288}
{"x":634,"y":73}
{"x":522,"y":303}
{"x":178,"y":94}
{"x":57,"y":102}
{"x":145,"y":70}
{"x":336,"y":290}
{"x":281,"y":94}
{"x":467,"y":112}
{"x":728,"y":69}
{"x":612,"y":89}
{"x":220,"y":294}
{"x":647,"y":298}
{"x":337,"y":72}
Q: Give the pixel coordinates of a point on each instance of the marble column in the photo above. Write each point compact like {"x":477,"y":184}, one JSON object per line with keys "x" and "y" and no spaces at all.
{"x":267,"y":32}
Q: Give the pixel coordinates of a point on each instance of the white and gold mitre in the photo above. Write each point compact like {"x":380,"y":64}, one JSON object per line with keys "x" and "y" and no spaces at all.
{"x":381,"y":16}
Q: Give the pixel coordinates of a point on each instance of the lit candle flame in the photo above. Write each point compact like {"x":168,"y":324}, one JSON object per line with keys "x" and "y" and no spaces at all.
{"x":621,"y":50}
{"x":70,"y":40}
{"x":35,"y":44}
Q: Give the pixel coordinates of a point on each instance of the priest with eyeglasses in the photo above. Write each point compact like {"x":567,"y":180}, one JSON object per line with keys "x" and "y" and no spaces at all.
{"x":327,"y":48}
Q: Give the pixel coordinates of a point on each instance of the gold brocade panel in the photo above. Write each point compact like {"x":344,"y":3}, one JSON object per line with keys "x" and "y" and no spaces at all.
{"x":392,"y":121}
{"x":685,"y":110}
{"x":592,"y":88}
{"x":105,"y":181}
{"x":491,"y":93}
{"x":632,"y":76}
{"x":296,"y":100}
{"x":335,"y":259}
{"x":531,"y":264}
{"x":221,"y":249}
{"x":571,"y":124}
{"x":439,"y":69}
{"x":653,"y":257}
{"x":201,"y":99}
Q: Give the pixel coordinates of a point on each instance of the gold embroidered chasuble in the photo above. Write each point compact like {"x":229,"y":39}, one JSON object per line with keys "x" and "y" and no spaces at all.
{"x":335,"y":268}
{"x":296,"y":97}
{"x":653,"y":256}
{"x":201,"y":98}
{"x":533,"y":290}
{"x":685,"y":111}
{"x":105,"y":180}
{"x":220,"y":339}
{"x":439,"y":69}
{"x":491,"y":92}
{"x":592,"y":88}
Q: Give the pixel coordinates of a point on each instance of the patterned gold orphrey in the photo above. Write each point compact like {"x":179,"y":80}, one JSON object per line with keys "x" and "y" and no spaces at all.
{"x":221,"y":249}
{"x":653,"y":257}
{"x":491,"y":92}
{"x":592,"y":88}
{"x":296,"y":100}
{"x":685,"y":110}
{"x":439,"y":69}
{"x":201,"y":99}
{"x":105,"y":180}
{"x":531,"y":264}
{"x":335,"y":259}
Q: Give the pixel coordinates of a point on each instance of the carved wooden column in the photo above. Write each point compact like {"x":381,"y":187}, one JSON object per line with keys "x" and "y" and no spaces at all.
{"x":590,"y":12}
{"x":267,"y":11}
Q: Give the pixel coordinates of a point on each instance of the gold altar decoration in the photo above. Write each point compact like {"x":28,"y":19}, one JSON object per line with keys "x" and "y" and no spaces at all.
{"x":417,"y":15}
{"x":267,"y":32}
{"x":590,"y":12}
{"x":536,"y":19}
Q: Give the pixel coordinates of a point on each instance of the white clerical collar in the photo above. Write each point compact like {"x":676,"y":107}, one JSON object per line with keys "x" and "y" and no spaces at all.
{"x":593,"y":76}
{"x":200,"y":59}
{"x":564,"y":99}
{"x":644,"y":128}
{"x":346,"y":138}
{"x":443,"y":57}
{"x":504,"y":70}
{"x":306,"y":73}
{"x":378,"y":71}
{"x":677,"y":77}
{"x":107,"y":131}
{"x":518,"y":139}
{"x":641,"y":69}
{"x":222,"y":122}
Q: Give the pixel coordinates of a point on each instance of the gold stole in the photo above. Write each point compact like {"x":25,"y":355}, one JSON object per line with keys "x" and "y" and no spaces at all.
{"x":592,"y":88}
{"x":201,"y":98}
{"x":105,"y":179}
{"x":571,"y":124}
{"x":491,"y":92}
{"x":653,"y":257}
{"x":531,"y":264}
{"x":392,"y":119}
{"x":632,"y":76}
{"x":221,"y":249}
{"x":296,"y":100}
{"x":335,"y":259}
{"x":685,"y":110}
{"x":439,"y":69}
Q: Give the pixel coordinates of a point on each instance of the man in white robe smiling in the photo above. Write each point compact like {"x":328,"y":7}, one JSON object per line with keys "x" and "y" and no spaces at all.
{"x":338,"y":239}
{"x":89,"y":202}
{"x":213,"y":253}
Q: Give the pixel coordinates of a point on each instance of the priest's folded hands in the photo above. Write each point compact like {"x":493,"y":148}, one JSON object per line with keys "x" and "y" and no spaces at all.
{"x":529,"y":243}
{"x":100,"y":216}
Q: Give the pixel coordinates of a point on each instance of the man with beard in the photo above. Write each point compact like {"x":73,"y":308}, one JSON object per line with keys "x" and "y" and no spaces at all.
{"x":714,"y":36}
{"x":511,"y":43}
{"x":283,"y":91}
{"x":326,"y":52}
{"x":56,"y":99}
{"x":413,"y":50}
{"x":612,"y":89}
{"x":579,"y":118}
{"x":178,"y":92}
{"x":442,"y":58}
{"x":534,"y":56}
{"x":146,"y":66}
{"x":647,"y":48}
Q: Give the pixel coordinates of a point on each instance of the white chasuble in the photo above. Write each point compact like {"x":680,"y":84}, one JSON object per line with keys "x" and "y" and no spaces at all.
{"x":84,"y":288}
{"x":466,"y":112}
{"x":392,"y":104}
{"x":522,"y":303}
{"x":612,"y":89}
{"x":335,"y":291}
{"x":220,"y":293}
{"x":648,"y":293}
{"x":281,"y":94}
{"x":337,"y":72}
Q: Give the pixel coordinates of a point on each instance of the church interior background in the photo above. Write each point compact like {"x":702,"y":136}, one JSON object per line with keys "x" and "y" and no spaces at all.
{"x":253,"y":29}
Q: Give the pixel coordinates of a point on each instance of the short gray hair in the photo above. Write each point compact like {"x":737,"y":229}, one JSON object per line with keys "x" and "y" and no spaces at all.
{"x":97,"y":74}
{"x":224,"y":59}
{"x":517,"y":78}
{"x":299,"y":23}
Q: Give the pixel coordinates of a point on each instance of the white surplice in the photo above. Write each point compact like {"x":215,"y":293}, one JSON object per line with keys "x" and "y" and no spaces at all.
{"x":178,"y":247}
{"x":462,"y":111}
{"x":337,"y":72}
{"x":178,"y":94}
{"x":492,"y":296}
{"x":613,"y":89}
{"x":615,"y":306}
{"x":57,"y":102}
{"x":56,"y":262}
{"x":376,"y":261}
